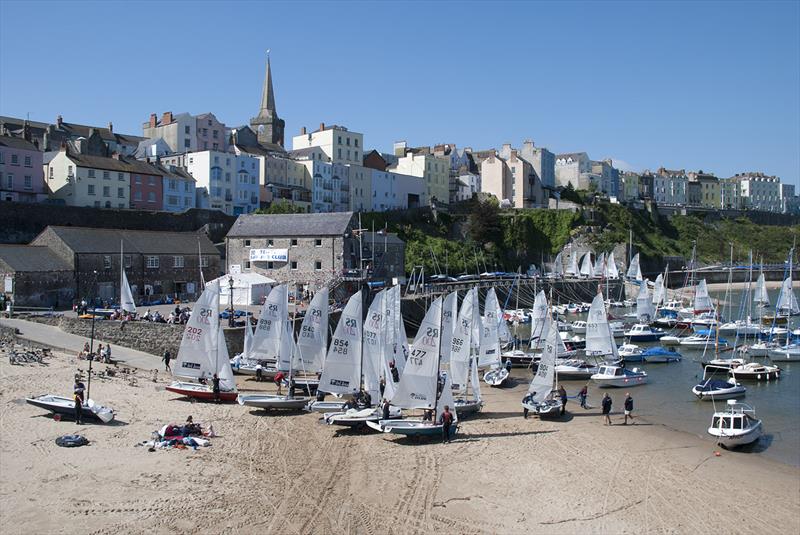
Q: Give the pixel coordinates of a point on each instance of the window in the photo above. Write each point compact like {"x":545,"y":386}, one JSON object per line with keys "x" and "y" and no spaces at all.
{"x":294,"y":264}
{"x":152,"y":181}
{"x":107,"y":262}
{"x":203,"y":261}
{"x":294,"y":242}
{"x":186,"y":142}
{"x":137,"y":179}
{"x":120,"y":176}
{"x":152,"y":262}
{"x":90,"y":189}
{"x":340,"y":140}
{"x":186,"y":201}
{"x":28,"y":182}
{"x":69,"y":170}
{"x":151,"y":197}
{"x":128,"y":260}
{"x":121,"y":193}
{"x":356,"y":155}
{"x":186,"y":187}
{"x":317,"y":265}
{"x":97,"y":204}
{"x":2,"y":157}
{"x":270,"y":265}
{"x":318,"y":242}
{"x":215,"y":134}
{"x":106,"y":175}
{"x":106,"y":191}
{"x":14,"y":159}
{"x":247,"y":264}
{"x":356,"y":141}
{"x":187,"y":129}
{"x":91,"y":173}
{"x":270,"y":243}
{"x":27,"y":161}
{"x":177,"y":261}
{"x":340,"y":152}
{"x":247,"y":243}
{"x":137,"y":196}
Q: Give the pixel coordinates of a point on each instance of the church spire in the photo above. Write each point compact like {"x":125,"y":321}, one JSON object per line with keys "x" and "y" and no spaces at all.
{"x":267,"y":94}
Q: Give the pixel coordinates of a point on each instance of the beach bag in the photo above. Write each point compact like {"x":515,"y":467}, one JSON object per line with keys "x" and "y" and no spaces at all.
{"x":72,"y":441}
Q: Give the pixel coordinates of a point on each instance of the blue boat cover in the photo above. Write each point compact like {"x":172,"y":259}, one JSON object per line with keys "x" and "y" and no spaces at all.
{"x":660,"y":351}
{"x":713,"y":384}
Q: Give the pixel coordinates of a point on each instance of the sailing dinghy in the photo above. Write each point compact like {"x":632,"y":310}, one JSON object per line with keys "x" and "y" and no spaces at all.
{"x":489,"y":354}
{"x":463,"y":367}
{"x":540,"y":400}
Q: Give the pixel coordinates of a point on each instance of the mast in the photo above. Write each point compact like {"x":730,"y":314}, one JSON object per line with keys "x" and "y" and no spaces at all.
{"x":200,"y":264}
{"x":438,"y":371}
{"x":121,"y":272}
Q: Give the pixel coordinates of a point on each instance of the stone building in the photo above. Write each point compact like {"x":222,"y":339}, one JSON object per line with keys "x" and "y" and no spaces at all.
{"x":309,"y":249}
{"x":384,"y":255}
{"x":35,"y":277}
{"x":156,"y":263}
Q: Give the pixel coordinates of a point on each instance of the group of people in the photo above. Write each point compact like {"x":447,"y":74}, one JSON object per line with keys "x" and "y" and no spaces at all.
{"x":607,"y":402}
{"x":103,"y":353}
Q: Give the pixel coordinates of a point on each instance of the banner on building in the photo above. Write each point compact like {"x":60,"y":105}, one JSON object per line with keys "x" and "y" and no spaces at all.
{"x":269,"y":255}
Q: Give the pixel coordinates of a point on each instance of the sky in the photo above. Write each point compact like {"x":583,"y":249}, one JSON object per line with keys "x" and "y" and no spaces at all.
{"x":687,"y":85}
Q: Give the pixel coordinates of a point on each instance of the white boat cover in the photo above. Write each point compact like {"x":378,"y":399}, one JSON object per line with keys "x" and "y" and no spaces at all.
{"x":341,"y":373}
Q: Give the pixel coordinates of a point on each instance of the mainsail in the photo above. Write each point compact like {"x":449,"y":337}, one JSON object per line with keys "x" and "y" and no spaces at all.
{"x":197,"y":354}
{"x":125,"y":295}
{"x":449,"y":315}
{"x":702,"y":302}
{"x":634,"y":272}
{"x":760,"y":295}
{"x":599,"y":266}
{"x":372,"y":359}
{"x":342,"y":373}
{"x":312,"y":341}
{"x":542,"y":383}
{"x":446,"y":399}
{"x":271,"y":325}
{"x":658,"y":290}
{"x":461,"y":344}
{"x":489,"y":353}
{"x":586,"y":265}
{"x":558,"y":266}
{"x":611,"y":267}
{"x":644,"y":304}
{"x":573,"y":263}
{"x":598,"y":335}
{"x":418,"y":385}
{"x":538,"y":318}
{"x":787,"y":302}
{"x":223,"y":364}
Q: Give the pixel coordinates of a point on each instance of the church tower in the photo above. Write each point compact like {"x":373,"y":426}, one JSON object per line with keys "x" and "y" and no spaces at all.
{"x":267,"y":124}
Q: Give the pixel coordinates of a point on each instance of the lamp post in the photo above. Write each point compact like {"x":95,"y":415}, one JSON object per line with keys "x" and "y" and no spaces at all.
{"x":230,"y":318}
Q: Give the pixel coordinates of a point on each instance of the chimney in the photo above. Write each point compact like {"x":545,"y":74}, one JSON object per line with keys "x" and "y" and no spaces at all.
{"x":63,"y":147}
{"x":110,"y":127}
{"x":166,"y":118}
{"x":303,"y":131}
{"x":153,"y":120}
{"x":321,"y":127}
{"x":115,"y":155}
{"x":59,"y":121}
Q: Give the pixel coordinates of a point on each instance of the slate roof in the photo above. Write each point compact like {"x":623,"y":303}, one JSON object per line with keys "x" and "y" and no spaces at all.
{"x":107,"y":241}
{"x":71,"y":129}
{"x":305,"y":151}
{"x":31,"y":258}
{"x":17,"y":143}
{"x":279,"y":225}
{"x":125,"y":165}
{"x":390,"y":238}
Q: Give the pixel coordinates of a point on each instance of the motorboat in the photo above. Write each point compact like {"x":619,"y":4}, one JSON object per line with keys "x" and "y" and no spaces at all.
{"x":660,"y":354}
{"x":630,"y":353}
{"x":359,"y":417}
{"x":619,"y":377}
{"x":518,"y":358}
{"x":666,"y":319}
{"x":789,"y":353}
{"x":774,"y":332}
{"x":758,"y":349}
{"x":670,"y":340}
{"x":741,"y":327}
{"x":304,"y":384}
{"x":735,"y":426}
{"x":754,"y":371}
{"x":703,"y":339}
{"x":574,"y":369}
{"x":705,"y":320}
{"x":578,"y":327}
{"x":572,"y":342}
{"x":66,"y":407}
{"x":725,"y":363}
{"x":250,"y":367}
{"x":643,"y":333}
{"x":713,"y":389}
{"x":777,"y":319}
{"x":495,"y":376}
{"x":273,"y":401}
{"x":200,"y":391}
{"x":617,"y":329}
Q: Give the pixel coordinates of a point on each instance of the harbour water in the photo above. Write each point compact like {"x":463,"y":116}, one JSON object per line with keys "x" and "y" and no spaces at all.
{"x":667,"y":398}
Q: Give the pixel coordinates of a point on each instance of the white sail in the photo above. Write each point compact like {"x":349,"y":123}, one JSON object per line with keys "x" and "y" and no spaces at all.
{"x":760,"y":295}
{"x":372,"y":359}
{"x":401,"y":338}
{"x":271,"y":324}
{"x":418,"y":385}
{"x":702,"y":302}
{"x":633,"y":270}
{"x":474,"y":380}
{"x":599,"y":266}
{"x":644,"y":304}
{"x":461,"y":344}
{"x":658,"y":290}
{"x":538,"y":319}
{"x":611,"y":267}
{"x":312,"y":341}
{"x":542,"y":383}
{"x":446,"y":399}
{"x":477,"y":320}
{"x":342,"y":371}
{"x":573,"y":263}
{"x":390,"y":335}
{"x":286,"y":349}
{"x":449,"y":316}
{"x":586,"y":265}
{"x":787,"y":302}
{"x":126,"y":297}
{"x":197,"y":354}
{"x":247,"y":348}
{"x":503,"y":333}
{"x":489,"y":353}
{"x":598,"y":335}
{"x":223,"y":364}
{"x":558,"y":266}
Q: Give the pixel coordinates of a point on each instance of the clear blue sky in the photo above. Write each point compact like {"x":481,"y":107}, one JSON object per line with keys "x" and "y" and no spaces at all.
{"x":712,"y":86}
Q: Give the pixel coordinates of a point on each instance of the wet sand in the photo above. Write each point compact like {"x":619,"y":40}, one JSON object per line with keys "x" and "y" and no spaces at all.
{"x":273,"y":473}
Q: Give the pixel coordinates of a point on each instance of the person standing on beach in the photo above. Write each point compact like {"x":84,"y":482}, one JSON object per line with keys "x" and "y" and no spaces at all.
{"x":166,"y":359}
{"x":582,"y":396}
{"x":607,"y":409}
{"x":446,"y":419}
{"x":563,"y":395}
{"x":279,"y":381}
{"x":628,"y":408}
{"x":78,"y":390}
{"x":215,"y":387}
{"x":385,"y":408}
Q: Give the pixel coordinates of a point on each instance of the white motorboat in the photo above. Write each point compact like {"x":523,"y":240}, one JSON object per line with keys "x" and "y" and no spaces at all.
{"x":735,"y":426}
{"x":630,"y":353}
{"x":713,"y":389}
{"x":273,"y":401}
{"x":359,"y":417}
{"x":618,"y":377}
{"x":495,"y":376}
{"x":518,"y":358}
{"x":754,"y":371}
{"x":742,"y":327}
{"x":643,"y":333}
{"x":574,"y":369}
{"x":617,"y":329}
{"x":702,"y":339}
{"x":578,"y":327}
{"x":66,"y":407}
{"x":789,"y":353}
{"x":758,"y":349}
{"x":726,"y":363}
{"x":670,"y":340}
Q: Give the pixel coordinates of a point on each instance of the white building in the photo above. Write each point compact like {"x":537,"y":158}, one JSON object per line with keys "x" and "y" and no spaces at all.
{"x":573,"y":168}
{"x":338,"y":143}
{"x":669,"y":186}
{"x":759,"y":191}
{"x":232,"y":181}
{"x":435,"y":170}
{"x":395,"y":191}
{"x":789,"y":201}
{"x":466,"y":185}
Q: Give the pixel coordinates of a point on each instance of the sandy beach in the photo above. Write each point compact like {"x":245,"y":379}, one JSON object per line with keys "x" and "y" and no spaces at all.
{"x":272,"y":473}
